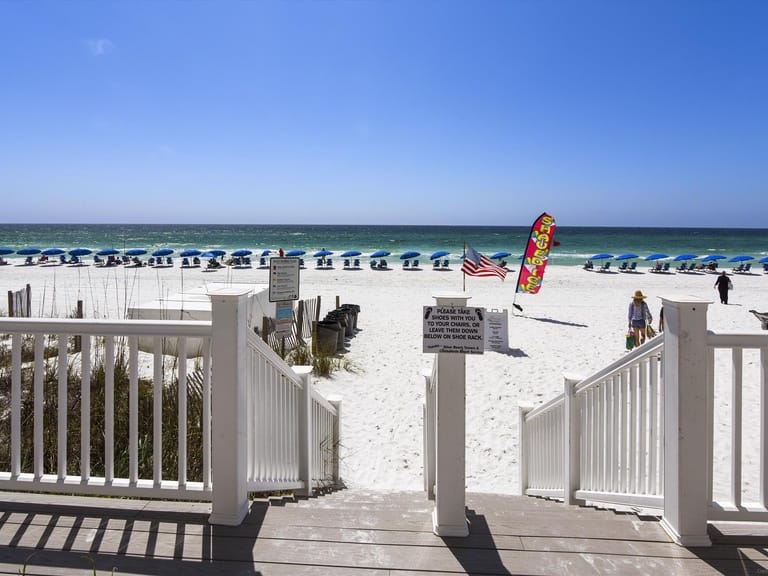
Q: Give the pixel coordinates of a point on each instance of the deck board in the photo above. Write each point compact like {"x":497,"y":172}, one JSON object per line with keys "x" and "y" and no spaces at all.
{"x":352,"y":533}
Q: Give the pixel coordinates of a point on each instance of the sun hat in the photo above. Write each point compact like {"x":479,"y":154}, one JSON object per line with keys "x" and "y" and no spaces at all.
{"x":638,"y":295}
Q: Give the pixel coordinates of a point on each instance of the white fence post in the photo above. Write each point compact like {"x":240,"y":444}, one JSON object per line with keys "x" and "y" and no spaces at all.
{"x":228,"y":415}
{"x":522,"y":441}
{"x":305,"y":429}
{"x":685,"y":421}
{"x":449,"y":517}
{"x":428,"y":418}
{"x":571,"y":441}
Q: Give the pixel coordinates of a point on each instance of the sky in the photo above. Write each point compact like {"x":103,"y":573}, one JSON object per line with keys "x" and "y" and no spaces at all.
{"x":476,"y":112}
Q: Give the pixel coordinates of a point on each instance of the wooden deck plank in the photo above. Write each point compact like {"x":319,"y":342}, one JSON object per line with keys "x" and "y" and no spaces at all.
{"x":350,"y":534}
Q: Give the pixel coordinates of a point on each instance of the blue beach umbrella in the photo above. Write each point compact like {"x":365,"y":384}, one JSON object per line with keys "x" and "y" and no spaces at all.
{"x":351,"y":253}
{"x":242,"y":252}
{"x":763,"y":260}
{"x":500,"y":255}
{"x":80,"y":252}
{"x":322,"y":253}
{"x":685,"y":257}
{"x":53,"y":251}
{"x":30,"y":251}
{"x":4,"y":251}
{"x":380,"y":254}
{"x":439,"y":254}
{"x":295,"y":252}
{"x":408,"y":254}
{"x":742,"y":258}
{"x":107,"y":252}
{"x":266,"y":252}
{"x":189,"y":252}
{"x":162,"y":252}
{"x":601,"y":256}
{"x":712,"y":257}
{"x":656,"y":256}
{"x":626,"y":256}
{"x":135,"y":252}
{"x":214,"y":253}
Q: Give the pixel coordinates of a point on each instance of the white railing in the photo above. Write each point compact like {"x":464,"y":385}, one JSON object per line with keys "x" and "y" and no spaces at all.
{"x":260,"y":427}
{"x":599,"y":441}
{"x":737,"y":384}
{"x":277,"y":425}
{"x":603,"y":441}
{"x":429,"y":411}
{"x":100,"y":343}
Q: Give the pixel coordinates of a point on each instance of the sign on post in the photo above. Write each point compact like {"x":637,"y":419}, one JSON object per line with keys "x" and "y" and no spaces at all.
{"x":283,"y":279}
{"x":454,"y":329}
{"x":496,"y":331}
{"x":284,"y":318}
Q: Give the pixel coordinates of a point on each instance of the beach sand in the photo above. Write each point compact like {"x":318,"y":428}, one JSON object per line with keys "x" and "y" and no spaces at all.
{"x":576,"y":324}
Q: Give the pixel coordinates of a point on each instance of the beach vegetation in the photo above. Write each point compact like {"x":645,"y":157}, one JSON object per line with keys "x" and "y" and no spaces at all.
{"x":74,"y":398}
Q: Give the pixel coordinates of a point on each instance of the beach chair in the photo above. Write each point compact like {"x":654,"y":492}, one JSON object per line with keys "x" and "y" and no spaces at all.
{"x":665,"y":268}
{"x":196,"y":261}
{"x":151,"y":261}
{"x":169,"y":261}
{"x":605,"y":267}
{"x":632,"y":267}
{"x":356,"y":263}
{"x":747,"y":266}
{"x":329,"y":263}
{"x":406,"y":263}
{"x":436,"y":264}
{"x":373,"y":264}
{"x":346,"y":263}
{"x":185,"y":262}
{"x":262,"y":262}
{"x":682,"y":267}
{"x":415,"y":264}
{"x":98,"y":260}
{"x":623,"y":267}
{"x":739,"y":268}
{"x":382,"y":264}
{"x":503,"y":263}
{"x":28,"y":261}
{"x":247,"y":261}
{"x":301,"y":262}
{"x":320,"y":263}
{"x":765,"y":267}
{"x":446,"y":263}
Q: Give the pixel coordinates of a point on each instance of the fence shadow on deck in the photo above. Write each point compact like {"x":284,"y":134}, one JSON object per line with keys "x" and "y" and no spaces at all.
{"x":132,"y":540}
{"x":478,"y":553}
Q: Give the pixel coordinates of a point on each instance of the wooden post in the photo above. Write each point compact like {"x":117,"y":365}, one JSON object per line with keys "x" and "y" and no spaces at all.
{"x":10,"y":304}
{"x":79,"y":339}
{"x":229,"y":425}
{"x":686,"y":466}
{"x":300,"y":321}
{"x":522,"y":453}
{"x":28,"y":302}
{"x":264,"y":328}
{"x":338,"y":301}
{"x":449,"y":517}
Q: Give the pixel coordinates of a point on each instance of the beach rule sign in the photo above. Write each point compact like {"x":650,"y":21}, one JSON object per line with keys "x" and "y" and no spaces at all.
{"x":454,"y":329}
{"x":283,"y":279}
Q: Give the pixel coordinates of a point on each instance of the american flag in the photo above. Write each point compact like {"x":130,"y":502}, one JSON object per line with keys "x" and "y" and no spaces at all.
{"x":475,"y":264}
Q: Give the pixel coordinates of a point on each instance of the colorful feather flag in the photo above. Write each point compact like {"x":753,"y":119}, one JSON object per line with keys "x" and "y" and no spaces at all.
{"x":536,"y":255}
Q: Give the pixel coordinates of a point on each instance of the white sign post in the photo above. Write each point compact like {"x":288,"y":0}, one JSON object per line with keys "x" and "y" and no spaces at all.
{"x":283,"y":279}
{"x":496,"y":331}
{"x":453,"y":329}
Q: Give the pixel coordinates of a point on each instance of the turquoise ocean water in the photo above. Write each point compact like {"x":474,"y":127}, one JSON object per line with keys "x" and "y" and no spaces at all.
{"x":576,"y":243}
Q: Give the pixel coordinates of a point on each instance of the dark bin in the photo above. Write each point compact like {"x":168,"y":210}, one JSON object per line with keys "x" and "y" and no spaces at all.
{"x":328,"y":334}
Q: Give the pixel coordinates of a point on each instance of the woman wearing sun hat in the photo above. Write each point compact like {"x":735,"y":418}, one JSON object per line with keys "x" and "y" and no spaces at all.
{"x":639,"y":316}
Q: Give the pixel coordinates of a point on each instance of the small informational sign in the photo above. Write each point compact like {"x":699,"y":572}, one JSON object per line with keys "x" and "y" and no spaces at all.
{"x":496,"y":330}
{"x":454,"y":329}
{"x":283,"y":279}
{"x":284,"y":318}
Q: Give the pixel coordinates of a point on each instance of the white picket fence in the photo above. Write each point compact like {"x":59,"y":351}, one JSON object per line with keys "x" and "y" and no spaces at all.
{"x":603,"y":440}
{"x":291,"y":432}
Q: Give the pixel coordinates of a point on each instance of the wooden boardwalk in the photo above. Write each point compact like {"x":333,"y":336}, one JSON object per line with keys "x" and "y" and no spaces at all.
{"x":351,"y":533}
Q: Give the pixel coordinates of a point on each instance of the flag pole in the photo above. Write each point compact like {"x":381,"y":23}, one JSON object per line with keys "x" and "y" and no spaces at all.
{"x":464,"y":274}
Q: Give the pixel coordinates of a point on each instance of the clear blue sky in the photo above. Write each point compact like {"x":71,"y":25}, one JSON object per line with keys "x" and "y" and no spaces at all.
{"x":611,"y":112}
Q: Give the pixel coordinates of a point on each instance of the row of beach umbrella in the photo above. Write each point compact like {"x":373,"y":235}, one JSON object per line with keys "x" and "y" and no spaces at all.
{"x":215,"y":253}
{"x":679,"y":257}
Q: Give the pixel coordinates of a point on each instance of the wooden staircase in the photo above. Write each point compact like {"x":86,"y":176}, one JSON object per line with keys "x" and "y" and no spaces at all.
{"x":349,"y":532}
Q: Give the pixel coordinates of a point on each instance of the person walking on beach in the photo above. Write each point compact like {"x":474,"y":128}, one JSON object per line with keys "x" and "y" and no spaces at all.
{"x":723,"y":284}
{"x":639,"y":316}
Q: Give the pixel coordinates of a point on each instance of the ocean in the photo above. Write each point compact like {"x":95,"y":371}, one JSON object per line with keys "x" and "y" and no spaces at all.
{"x":576,"y":243}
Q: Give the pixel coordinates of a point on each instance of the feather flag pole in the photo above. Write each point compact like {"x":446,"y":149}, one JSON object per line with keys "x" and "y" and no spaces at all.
{"x":535,"y":257}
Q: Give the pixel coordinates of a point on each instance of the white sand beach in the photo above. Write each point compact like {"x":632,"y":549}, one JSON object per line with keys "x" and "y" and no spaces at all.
{"x":576,"y":324}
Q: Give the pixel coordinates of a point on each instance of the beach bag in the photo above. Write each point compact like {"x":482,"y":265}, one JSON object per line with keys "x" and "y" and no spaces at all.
{"x":630,"y":341}
{"x":649,"y":331}
{"x":730,"y":285}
